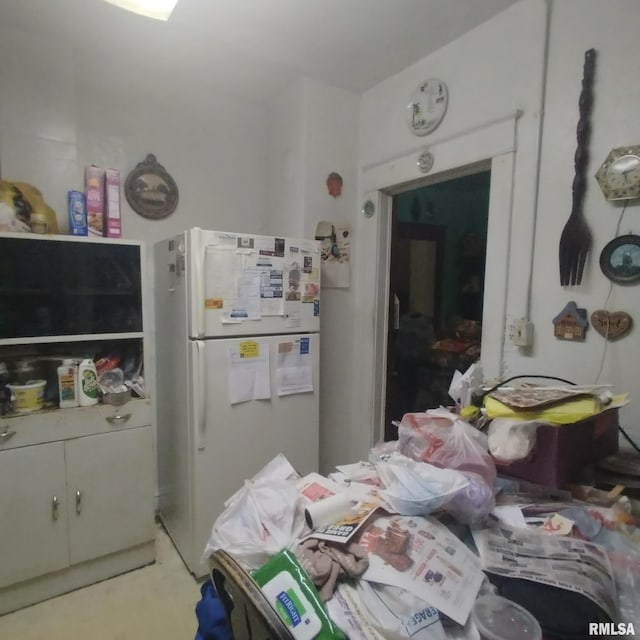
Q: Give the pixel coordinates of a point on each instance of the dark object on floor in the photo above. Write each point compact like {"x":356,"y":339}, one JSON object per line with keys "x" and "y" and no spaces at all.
{"x":248,"y":611}
{"x":212,"y":618}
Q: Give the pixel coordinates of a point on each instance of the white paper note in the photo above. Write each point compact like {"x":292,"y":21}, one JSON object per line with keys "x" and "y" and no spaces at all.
{"x":294,"y":372}
{"x":249,"y":372}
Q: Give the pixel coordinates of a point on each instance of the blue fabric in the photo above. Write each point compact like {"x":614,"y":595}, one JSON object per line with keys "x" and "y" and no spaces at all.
{"x":212,"y":620}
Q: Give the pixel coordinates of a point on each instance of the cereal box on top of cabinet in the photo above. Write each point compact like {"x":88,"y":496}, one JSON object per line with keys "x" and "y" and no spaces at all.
{"x":94,"y":191}
{"x":112,"y":222}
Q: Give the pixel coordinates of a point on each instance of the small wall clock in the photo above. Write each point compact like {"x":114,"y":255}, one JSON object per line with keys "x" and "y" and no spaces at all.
{"x":619,"y":174}
{"x":428,"y":105}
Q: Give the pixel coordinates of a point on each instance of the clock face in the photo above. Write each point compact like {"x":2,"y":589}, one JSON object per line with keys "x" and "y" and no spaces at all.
{"x":619,"y":175}
{"x":428,"y":105}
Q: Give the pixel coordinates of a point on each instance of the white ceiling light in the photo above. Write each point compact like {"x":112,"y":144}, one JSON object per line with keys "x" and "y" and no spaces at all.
{"x":158,"y":9}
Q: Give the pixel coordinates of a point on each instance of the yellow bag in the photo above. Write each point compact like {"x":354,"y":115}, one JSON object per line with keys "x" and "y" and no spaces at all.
{"x":26,"y":200}
{"x":564,"y":412}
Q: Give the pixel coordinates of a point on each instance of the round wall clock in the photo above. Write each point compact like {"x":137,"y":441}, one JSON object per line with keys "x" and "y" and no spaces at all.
{"x":427,"y":107}
{"x":619,"y":175}
{"x":150,"y":190}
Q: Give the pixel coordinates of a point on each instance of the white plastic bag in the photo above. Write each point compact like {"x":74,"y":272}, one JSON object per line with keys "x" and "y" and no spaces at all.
{"x":416,"y":488}
{"x":443,"y":439}
{"x":511,"y":439}
{"x":264,"y":518}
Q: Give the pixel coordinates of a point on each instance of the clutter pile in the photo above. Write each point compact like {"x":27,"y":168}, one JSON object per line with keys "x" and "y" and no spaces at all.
{"x":426,"y":540}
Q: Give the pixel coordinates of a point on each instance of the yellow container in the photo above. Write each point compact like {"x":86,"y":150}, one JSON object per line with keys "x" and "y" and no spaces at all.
{"x":29,"y":396}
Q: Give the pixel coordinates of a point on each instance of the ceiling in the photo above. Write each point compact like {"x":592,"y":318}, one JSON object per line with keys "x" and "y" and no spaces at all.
{"x":257,"y":47}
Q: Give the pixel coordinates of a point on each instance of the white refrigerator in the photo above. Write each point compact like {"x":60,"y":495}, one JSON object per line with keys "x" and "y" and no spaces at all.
{"x":237,"y":370}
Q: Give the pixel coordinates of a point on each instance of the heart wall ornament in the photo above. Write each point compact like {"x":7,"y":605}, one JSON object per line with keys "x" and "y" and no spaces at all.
{"x":611,"y":325}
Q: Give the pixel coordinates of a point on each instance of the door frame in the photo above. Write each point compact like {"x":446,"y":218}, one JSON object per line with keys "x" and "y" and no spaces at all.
{"x":410,"y":231}
{"x":490,"y":147}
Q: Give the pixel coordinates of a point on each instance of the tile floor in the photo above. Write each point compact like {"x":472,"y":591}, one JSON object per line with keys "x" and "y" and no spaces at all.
{"x":155,"y":602}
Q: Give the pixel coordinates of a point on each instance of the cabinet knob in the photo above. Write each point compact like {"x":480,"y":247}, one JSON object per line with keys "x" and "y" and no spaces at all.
{"x":78,"y":502}
{"x":54,"y":508}
{"x":118,"y":419}
{"x":6,"y":434}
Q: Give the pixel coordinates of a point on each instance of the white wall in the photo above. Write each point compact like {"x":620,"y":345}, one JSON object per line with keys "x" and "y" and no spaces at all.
{"x":243,"y":166}
{"x":314,"y":131}
{"x":492,"y":72}
{"x":60,"y":111}
{"x":611,"y":28}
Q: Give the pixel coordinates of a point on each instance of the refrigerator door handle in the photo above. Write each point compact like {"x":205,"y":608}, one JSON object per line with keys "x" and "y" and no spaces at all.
{"x":200,"y":395}
{"x":198,"y":264}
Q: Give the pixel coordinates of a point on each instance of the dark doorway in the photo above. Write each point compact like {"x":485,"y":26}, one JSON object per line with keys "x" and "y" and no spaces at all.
{"x":438,"y":246}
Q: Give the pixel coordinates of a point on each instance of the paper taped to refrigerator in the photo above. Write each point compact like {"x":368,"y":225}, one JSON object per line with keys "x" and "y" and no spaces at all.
{"x":294,"y":368}
{"x":249,"y":372}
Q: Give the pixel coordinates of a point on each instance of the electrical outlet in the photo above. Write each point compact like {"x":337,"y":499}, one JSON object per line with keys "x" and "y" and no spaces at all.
{"x":521,"y":332}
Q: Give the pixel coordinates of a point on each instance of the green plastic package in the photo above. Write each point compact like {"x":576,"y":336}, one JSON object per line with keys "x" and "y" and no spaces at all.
{"x":290,"y":591}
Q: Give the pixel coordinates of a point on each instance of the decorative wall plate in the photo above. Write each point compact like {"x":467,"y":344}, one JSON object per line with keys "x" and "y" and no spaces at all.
{"x":620,"y":260}
{"x":425,"y":161}
{"x":368,"y":208}
{"x":611,"y":324}
{"x":150,"y":190}
{"x":429,"y":103}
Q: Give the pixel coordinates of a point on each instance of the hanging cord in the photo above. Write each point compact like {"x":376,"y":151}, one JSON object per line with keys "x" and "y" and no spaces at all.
{"x":606,"y":335}
{"x":628,"y":439}
{"x":606,"y":302}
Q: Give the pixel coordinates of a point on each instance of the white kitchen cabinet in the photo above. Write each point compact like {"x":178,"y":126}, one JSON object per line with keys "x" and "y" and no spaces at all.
{"x":33,"y":529}
{"x":76,"y":510}
{"x":76,"y":485}
{"x":109,"y":493}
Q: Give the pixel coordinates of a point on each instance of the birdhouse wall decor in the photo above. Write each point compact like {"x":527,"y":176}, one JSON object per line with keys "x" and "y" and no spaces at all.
{"x":334,"y":184}
{"x":571,"y":323}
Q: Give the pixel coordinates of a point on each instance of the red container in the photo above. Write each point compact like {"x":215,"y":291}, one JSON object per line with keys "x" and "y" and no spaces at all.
{"x":562,"y":451}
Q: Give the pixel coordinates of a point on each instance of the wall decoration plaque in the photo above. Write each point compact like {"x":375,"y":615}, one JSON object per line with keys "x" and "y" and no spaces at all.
{"x":425,"y":161}
{"x":611,"y":324}
{"x":150,"y":191}
{"x":571,"y":323}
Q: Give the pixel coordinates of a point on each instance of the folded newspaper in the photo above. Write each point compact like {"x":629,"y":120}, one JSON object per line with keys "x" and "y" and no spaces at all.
{"x":567,"y":563}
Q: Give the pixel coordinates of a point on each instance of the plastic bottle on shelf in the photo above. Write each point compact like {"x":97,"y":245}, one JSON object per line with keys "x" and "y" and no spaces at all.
{"x":87,"y":383}
{"x":68,"y":384}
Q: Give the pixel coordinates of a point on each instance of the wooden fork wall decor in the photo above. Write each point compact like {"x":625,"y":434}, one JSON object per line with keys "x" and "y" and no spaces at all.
{"x":575,"y":241}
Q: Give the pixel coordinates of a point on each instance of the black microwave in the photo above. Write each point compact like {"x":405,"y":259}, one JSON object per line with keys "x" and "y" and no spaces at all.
{"x":62,"y":286}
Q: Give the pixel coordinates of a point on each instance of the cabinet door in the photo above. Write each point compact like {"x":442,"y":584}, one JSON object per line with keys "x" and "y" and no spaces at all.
{"x":33,"y":514}
{"x":110,"y":492}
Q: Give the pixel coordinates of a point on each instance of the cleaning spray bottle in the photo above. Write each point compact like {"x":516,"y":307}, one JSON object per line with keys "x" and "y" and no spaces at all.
{"x":87,"y":383}
{"x":68,"y":384}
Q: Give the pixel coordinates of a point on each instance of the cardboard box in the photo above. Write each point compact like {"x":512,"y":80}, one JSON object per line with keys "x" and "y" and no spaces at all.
{"x":94,"y":192}
{"x":77,"y":207}
{"x":562,"y":451}
{"x":113,"y":225}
